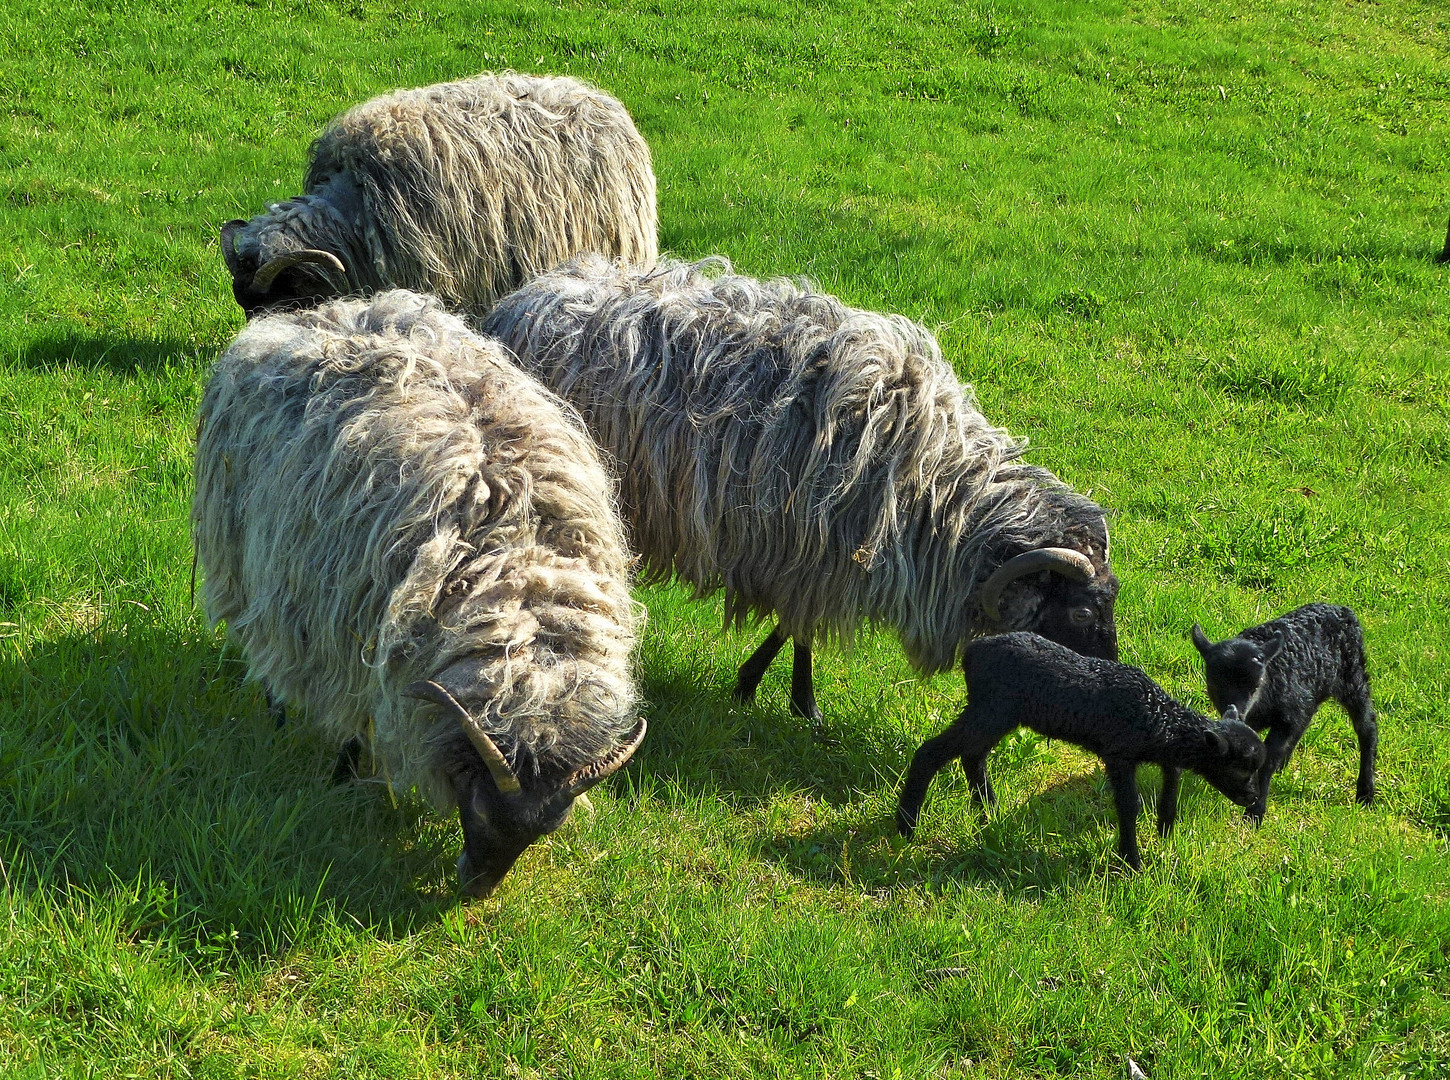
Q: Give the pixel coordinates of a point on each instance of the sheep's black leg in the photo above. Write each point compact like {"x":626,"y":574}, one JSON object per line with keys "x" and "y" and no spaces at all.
{"x":802,"y":686}
{"x":753,"y":670}
{"x":970,"y":738}
{"x":975,"y":767}
{"x":345,"y":769}
{"x":1123,"y":775}
{"x":277,"y":710}
{"x":1168,"y":800}
{"x":925,"y":764}
{"x":1362,"y":716}
{"x":1279,"y":743}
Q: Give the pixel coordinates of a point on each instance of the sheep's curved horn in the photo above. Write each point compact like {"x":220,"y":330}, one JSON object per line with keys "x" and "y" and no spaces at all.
{"x":1065,"y":561}
{"x":264,"y":277}
{"x":498,"y":766}
{"x":584,"y":778}
{"x":229,"y":247}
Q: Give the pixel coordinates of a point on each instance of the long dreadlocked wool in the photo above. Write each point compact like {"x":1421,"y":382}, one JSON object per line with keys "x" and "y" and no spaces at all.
{"x":464,"y":189}
{"x":383,"y":497}
{"x":812,"y":460}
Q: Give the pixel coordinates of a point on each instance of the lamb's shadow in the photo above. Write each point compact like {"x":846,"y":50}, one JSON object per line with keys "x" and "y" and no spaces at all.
{"x":1056,"y":840}
{"x":144,"y":766}
{"x":120,"y":355}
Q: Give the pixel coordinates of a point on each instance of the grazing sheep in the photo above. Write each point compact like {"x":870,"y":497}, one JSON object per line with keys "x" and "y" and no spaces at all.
{"x":465,"y":189}
{"x":415,"y":541}
{"x":1112,"y":710}
{"x":1277,"y":675}
{"x":816,"y":462}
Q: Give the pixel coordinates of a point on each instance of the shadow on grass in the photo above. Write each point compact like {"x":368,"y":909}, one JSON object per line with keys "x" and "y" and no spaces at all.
{"x":137,"y":764}
{"x":1056,"y":840}
{"x":703,"y":743}
{"x":116,"y":354}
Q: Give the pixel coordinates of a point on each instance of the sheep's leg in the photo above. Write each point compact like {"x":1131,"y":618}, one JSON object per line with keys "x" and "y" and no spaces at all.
{"x":925,"y":764}
{"x":753,"y":670}
{"x":802,"y":685}
{"x":345,"y":768}
{"x":1278,"y":745}
{"x":1123,"y":775}
{"x":1168,"y":800}
{"x":970,"y":738}
{"x":1361,"y":714}
{"x":975,"y":766}
{"x":277,"y":710}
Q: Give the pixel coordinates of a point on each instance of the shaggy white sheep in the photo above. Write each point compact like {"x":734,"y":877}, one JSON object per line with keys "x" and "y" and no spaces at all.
{"x":411,"y":537}
{"x":818,"y":463}
{"x":464,"y":189}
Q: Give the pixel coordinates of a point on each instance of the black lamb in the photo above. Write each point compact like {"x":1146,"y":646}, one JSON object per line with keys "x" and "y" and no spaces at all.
{"x":1277,"y":674}
{"x":1111,"y":709}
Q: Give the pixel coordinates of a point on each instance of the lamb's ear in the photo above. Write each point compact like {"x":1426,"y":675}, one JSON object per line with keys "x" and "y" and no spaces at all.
{"x":1231,"y":713}
{"x":1200,"y":640}
{"x":1271,"y":649}
{"x":1215,"y":742}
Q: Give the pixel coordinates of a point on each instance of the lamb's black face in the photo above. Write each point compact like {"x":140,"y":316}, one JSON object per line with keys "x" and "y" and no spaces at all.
{"x":497,"y":828}
{"x":1080,"y":616}
{"x":1234,"y":670}
{"x":1233,"y":756}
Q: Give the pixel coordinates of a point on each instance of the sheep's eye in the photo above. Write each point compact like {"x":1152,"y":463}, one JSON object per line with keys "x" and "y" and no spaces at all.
{"x":1082,"y":616}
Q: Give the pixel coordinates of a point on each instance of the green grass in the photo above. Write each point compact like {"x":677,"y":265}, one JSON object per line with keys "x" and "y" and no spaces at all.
{"x":1186,"y":247}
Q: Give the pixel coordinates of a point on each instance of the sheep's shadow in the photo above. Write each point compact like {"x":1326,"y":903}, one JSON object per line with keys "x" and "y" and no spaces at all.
{"x":125,"y":782}
{"x":703,"y":743}
{"x":119,"y":355}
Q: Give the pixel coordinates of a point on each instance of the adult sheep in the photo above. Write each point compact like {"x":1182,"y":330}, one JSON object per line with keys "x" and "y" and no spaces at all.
{"x":464,"y":189}
{"x":818,"y":463}
{"x":415,"y":541}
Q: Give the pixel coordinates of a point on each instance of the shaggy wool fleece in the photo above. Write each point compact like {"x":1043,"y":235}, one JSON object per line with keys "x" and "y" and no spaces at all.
{"x":383,"y":496}
{"x":464,"y":189}
{"x":816,"y":462}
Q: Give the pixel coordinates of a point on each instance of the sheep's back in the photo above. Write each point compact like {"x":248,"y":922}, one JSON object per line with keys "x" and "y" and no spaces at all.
{"x":815,"y":461}
{"x":477,"y":185}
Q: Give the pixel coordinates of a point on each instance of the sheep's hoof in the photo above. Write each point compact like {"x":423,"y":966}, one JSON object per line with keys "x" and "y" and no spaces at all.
{"x":349,"y":757}
{"x":906,"y":826}
{"x":807,"y":711}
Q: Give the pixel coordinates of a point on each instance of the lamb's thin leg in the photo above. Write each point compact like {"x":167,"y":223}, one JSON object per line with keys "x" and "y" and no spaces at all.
{"x":802,"y":686}
{"x":345,"y":768}
{"x":976,"y":769}
{"x":970,"y":738}
{"x":1361,"y":714}
{"x":1168,"y":800}
{"x":1279,"y":743}
{"x":753,"y":670}
{"x":1123,"y":775}
{"x":277,"y":710}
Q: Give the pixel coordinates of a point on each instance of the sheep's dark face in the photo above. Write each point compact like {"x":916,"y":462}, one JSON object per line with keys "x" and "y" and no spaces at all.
{"x":497,"y":828}
{"x":291,"y":290}
{"x":1080,"y":616}
{"x":1235,"y":670}
{"x":289,"y":281}
{"x":1233,"y":754}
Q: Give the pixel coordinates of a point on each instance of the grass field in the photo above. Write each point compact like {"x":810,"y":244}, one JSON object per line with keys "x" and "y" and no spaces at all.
{"x":1186,"y":246}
